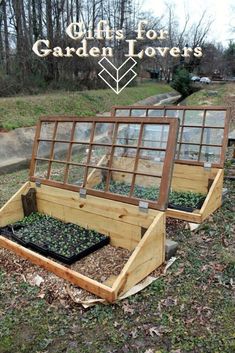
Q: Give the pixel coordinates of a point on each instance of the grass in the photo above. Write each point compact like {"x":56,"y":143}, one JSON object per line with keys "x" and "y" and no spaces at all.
{"x":23,"y":111}
{"x":203,"y":97}
{"x":190,"y":310}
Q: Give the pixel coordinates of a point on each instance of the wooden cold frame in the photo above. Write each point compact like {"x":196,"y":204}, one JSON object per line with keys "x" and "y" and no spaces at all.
{"x":181,"y":111}
{"x":128,"y":227}
{"x":107,"y":167}
{"x":191,"y":175}
{"x":122,"y":219}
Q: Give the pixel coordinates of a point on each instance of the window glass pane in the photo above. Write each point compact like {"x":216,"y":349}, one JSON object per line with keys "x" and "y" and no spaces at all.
{"x":147,"y":188}
{"x":104,"y":133}
{"x":151,"y":162}
{"x":210,"y":154}
{"x":128,"y":134}
{"x":174,"y":113}
{"x":155,"y":136}
{"x":189,"y":152}
{"x":213,"y":136}
{"x":79,"y":153}
{"x":57,"y":172}
{"x":60,"y":151}
{"x":138,"y":112}
{"x":41,"y":169}
{"x":122,"y":112}
{"x":100,"y":155}
{"x":82,"y":132}
{"x":47,"y":130}
{"x":156,"y":112}
{"x":191,"y":134}
{"x":44,"y":149}
{"x":215,"y":118}
{"x":63,"y":131}
{"x":124,"y":158}
{"x":97,"y":179}
{"x":193,"y":117}
{"x":120,"y":183}
{"x":76,"y":175}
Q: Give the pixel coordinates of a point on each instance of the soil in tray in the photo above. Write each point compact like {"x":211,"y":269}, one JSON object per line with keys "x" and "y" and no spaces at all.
{"x":65,"y":242}
{"x":185,"y":201}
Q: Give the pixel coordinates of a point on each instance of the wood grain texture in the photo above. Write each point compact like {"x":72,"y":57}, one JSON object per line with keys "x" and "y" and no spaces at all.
{"x":148,"y":255}
{"x":12,"y":211}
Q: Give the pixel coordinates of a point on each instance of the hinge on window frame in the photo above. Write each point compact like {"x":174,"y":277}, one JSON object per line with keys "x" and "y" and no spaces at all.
{"x":143,"y":206}
{"x":82,"y":193}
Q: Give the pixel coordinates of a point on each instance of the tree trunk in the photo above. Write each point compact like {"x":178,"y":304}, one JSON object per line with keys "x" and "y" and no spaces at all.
{"x":6,"y":39}
{"x":50,"y":64}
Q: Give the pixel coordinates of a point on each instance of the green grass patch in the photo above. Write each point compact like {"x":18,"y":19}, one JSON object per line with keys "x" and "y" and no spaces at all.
{"x":24,"y":111}
{"x":205,"y":97}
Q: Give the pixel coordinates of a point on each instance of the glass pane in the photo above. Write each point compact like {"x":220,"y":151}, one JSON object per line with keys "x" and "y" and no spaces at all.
{"x":210,"y":154}
{"x":47,"y":130}
{"x":215,"y":118}
{"x":124,"y":158}
{"x":147,"y":188}
{"x":104,"y":132}
{"x":41,"y":169}
{"x":44,"y":149}
{"x":122,"y":112}
{"x":192,"y":135}
{"x":60,"y":151}
{"x":138,"y":112}
{"x":82,"y":132}
{"x":100,"y":155}
{"x":97,"y":179}
{"x":79,"y":153}
{"x":64,"y":131}
{"x":174,"y":113}
{"x":128,"y":134}
{"x":151,"y":162}
{"x":57,"y":172}
{"x":124,"y":152}
{"x":193,"y":117}
{"x":120,"y":183}
{"x":155,"y":136}
{"x":213,"y":136}
{"x":156,"y":112}
{"x":189,"y":152}
{"x":76,"y":175}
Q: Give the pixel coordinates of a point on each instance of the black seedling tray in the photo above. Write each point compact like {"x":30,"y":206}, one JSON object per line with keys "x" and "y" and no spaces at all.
{"x":80,"y":255}
{"x":187,"y":208}
{"x":180,"y":208}
{"x":11,"y":231}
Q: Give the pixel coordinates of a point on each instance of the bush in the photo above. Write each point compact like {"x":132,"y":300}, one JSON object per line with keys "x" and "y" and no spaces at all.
{"x":182,"y":82}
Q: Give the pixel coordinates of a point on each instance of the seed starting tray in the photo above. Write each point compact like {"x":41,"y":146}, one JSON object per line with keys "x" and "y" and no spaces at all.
{"x":12,"y":231}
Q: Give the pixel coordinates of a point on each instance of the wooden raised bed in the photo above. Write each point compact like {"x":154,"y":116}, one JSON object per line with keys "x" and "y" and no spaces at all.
{"x":200,"y":153}
{"x":130,"y":223}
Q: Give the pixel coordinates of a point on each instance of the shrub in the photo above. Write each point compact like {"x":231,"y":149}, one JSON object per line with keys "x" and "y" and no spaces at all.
{"x":182,"y":82}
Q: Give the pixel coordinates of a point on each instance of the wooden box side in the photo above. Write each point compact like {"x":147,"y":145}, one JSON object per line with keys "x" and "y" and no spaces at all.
{"x":147,"y":256}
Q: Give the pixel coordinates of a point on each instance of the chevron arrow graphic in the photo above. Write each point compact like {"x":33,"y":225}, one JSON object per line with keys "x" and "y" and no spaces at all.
{"x":117,"y":78}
